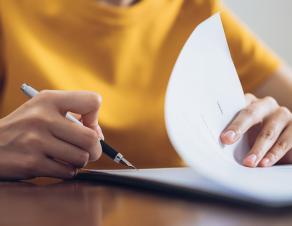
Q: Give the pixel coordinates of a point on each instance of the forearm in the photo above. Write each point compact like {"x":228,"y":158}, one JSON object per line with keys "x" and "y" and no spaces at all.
{"x":278,"y":86}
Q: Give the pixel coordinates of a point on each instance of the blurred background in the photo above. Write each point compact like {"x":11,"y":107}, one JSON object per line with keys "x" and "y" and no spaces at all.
{"x":270,"y":20}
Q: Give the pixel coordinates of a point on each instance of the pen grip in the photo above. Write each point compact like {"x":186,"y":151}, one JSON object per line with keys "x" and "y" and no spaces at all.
{"x":108,"y":150}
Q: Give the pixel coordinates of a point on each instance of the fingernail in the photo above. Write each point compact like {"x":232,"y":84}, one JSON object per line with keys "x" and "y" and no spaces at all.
{"x":230,"y":134}
{"x":265,"y":162}
{"x":250,"y":160}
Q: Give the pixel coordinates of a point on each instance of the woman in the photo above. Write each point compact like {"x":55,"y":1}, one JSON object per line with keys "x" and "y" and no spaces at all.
{"x":124,"y":50}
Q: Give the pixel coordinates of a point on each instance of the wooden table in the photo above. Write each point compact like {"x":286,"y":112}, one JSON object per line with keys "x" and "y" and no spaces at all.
{"x":82,"y":203}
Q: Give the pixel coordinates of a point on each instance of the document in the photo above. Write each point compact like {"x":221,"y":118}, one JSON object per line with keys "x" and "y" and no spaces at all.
{"x":204,"y":94}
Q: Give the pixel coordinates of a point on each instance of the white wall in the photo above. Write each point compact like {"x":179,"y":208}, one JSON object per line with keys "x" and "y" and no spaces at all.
{"x":271,"y":20}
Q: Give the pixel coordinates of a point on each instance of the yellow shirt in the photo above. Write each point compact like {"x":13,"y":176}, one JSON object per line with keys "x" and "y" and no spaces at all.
{"x":125,"y":54}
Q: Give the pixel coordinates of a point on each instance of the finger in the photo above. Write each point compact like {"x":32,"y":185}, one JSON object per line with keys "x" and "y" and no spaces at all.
{"x":52,"y":168}
{"x":81,"y":102}
{"x":271,"y":130}
{"x":281,"y":147}
{"x":80,"y":136}
{"x":249,"y":98}
{"x":248,"y":117}
{"x":67,"y":153}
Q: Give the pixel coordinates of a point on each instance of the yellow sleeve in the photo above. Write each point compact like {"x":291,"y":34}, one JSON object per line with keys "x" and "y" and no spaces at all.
{"x":253,"y":61}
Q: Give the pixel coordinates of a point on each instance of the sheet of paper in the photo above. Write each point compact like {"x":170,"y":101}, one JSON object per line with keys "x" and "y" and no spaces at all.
{"x":203,"y":95}
{"x":187,"y":177}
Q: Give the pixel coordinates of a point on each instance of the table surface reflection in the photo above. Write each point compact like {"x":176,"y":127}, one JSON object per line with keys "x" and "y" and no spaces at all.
{"x":90,"y":204}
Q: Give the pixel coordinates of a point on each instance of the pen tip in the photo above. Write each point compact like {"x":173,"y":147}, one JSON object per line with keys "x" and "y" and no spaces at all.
{"x":127,"y":163}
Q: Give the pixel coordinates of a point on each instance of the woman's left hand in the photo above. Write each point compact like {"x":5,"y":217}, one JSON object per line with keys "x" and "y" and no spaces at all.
{"x":274,"y":139}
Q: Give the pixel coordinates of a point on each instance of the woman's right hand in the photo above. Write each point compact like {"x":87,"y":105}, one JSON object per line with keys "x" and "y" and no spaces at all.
{"x":37,"y":140}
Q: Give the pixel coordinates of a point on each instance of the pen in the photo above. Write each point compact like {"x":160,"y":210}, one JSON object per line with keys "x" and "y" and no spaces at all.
{"x":107,"y":149}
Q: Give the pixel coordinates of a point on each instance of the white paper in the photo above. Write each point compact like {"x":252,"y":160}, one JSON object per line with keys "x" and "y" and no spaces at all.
{"x":203,"y":95}
{"x":187,"y":177}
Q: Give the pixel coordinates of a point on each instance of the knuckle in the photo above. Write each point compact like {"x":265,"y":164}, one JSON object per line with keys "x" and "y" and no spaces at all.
{"x":267,"y":134}
{"x":270,"y":100}
{"x":31,"y":140}
{"x":250,"y":112}
{"x":273,"y":124}
{"x":276,"y":154}
{"x":34,"y":140}
{"x":285,"y":111}
{"x":46,"y":95}
{"x":95,"y":99}
{"x":250,"y":96}
{"x":281,"y":145}
{"x":272,"y":156}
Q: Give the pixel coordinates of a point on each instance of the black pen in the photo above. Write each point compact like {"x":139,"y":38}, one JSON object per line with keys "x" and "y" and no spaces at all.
{"x":108,"y":150}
